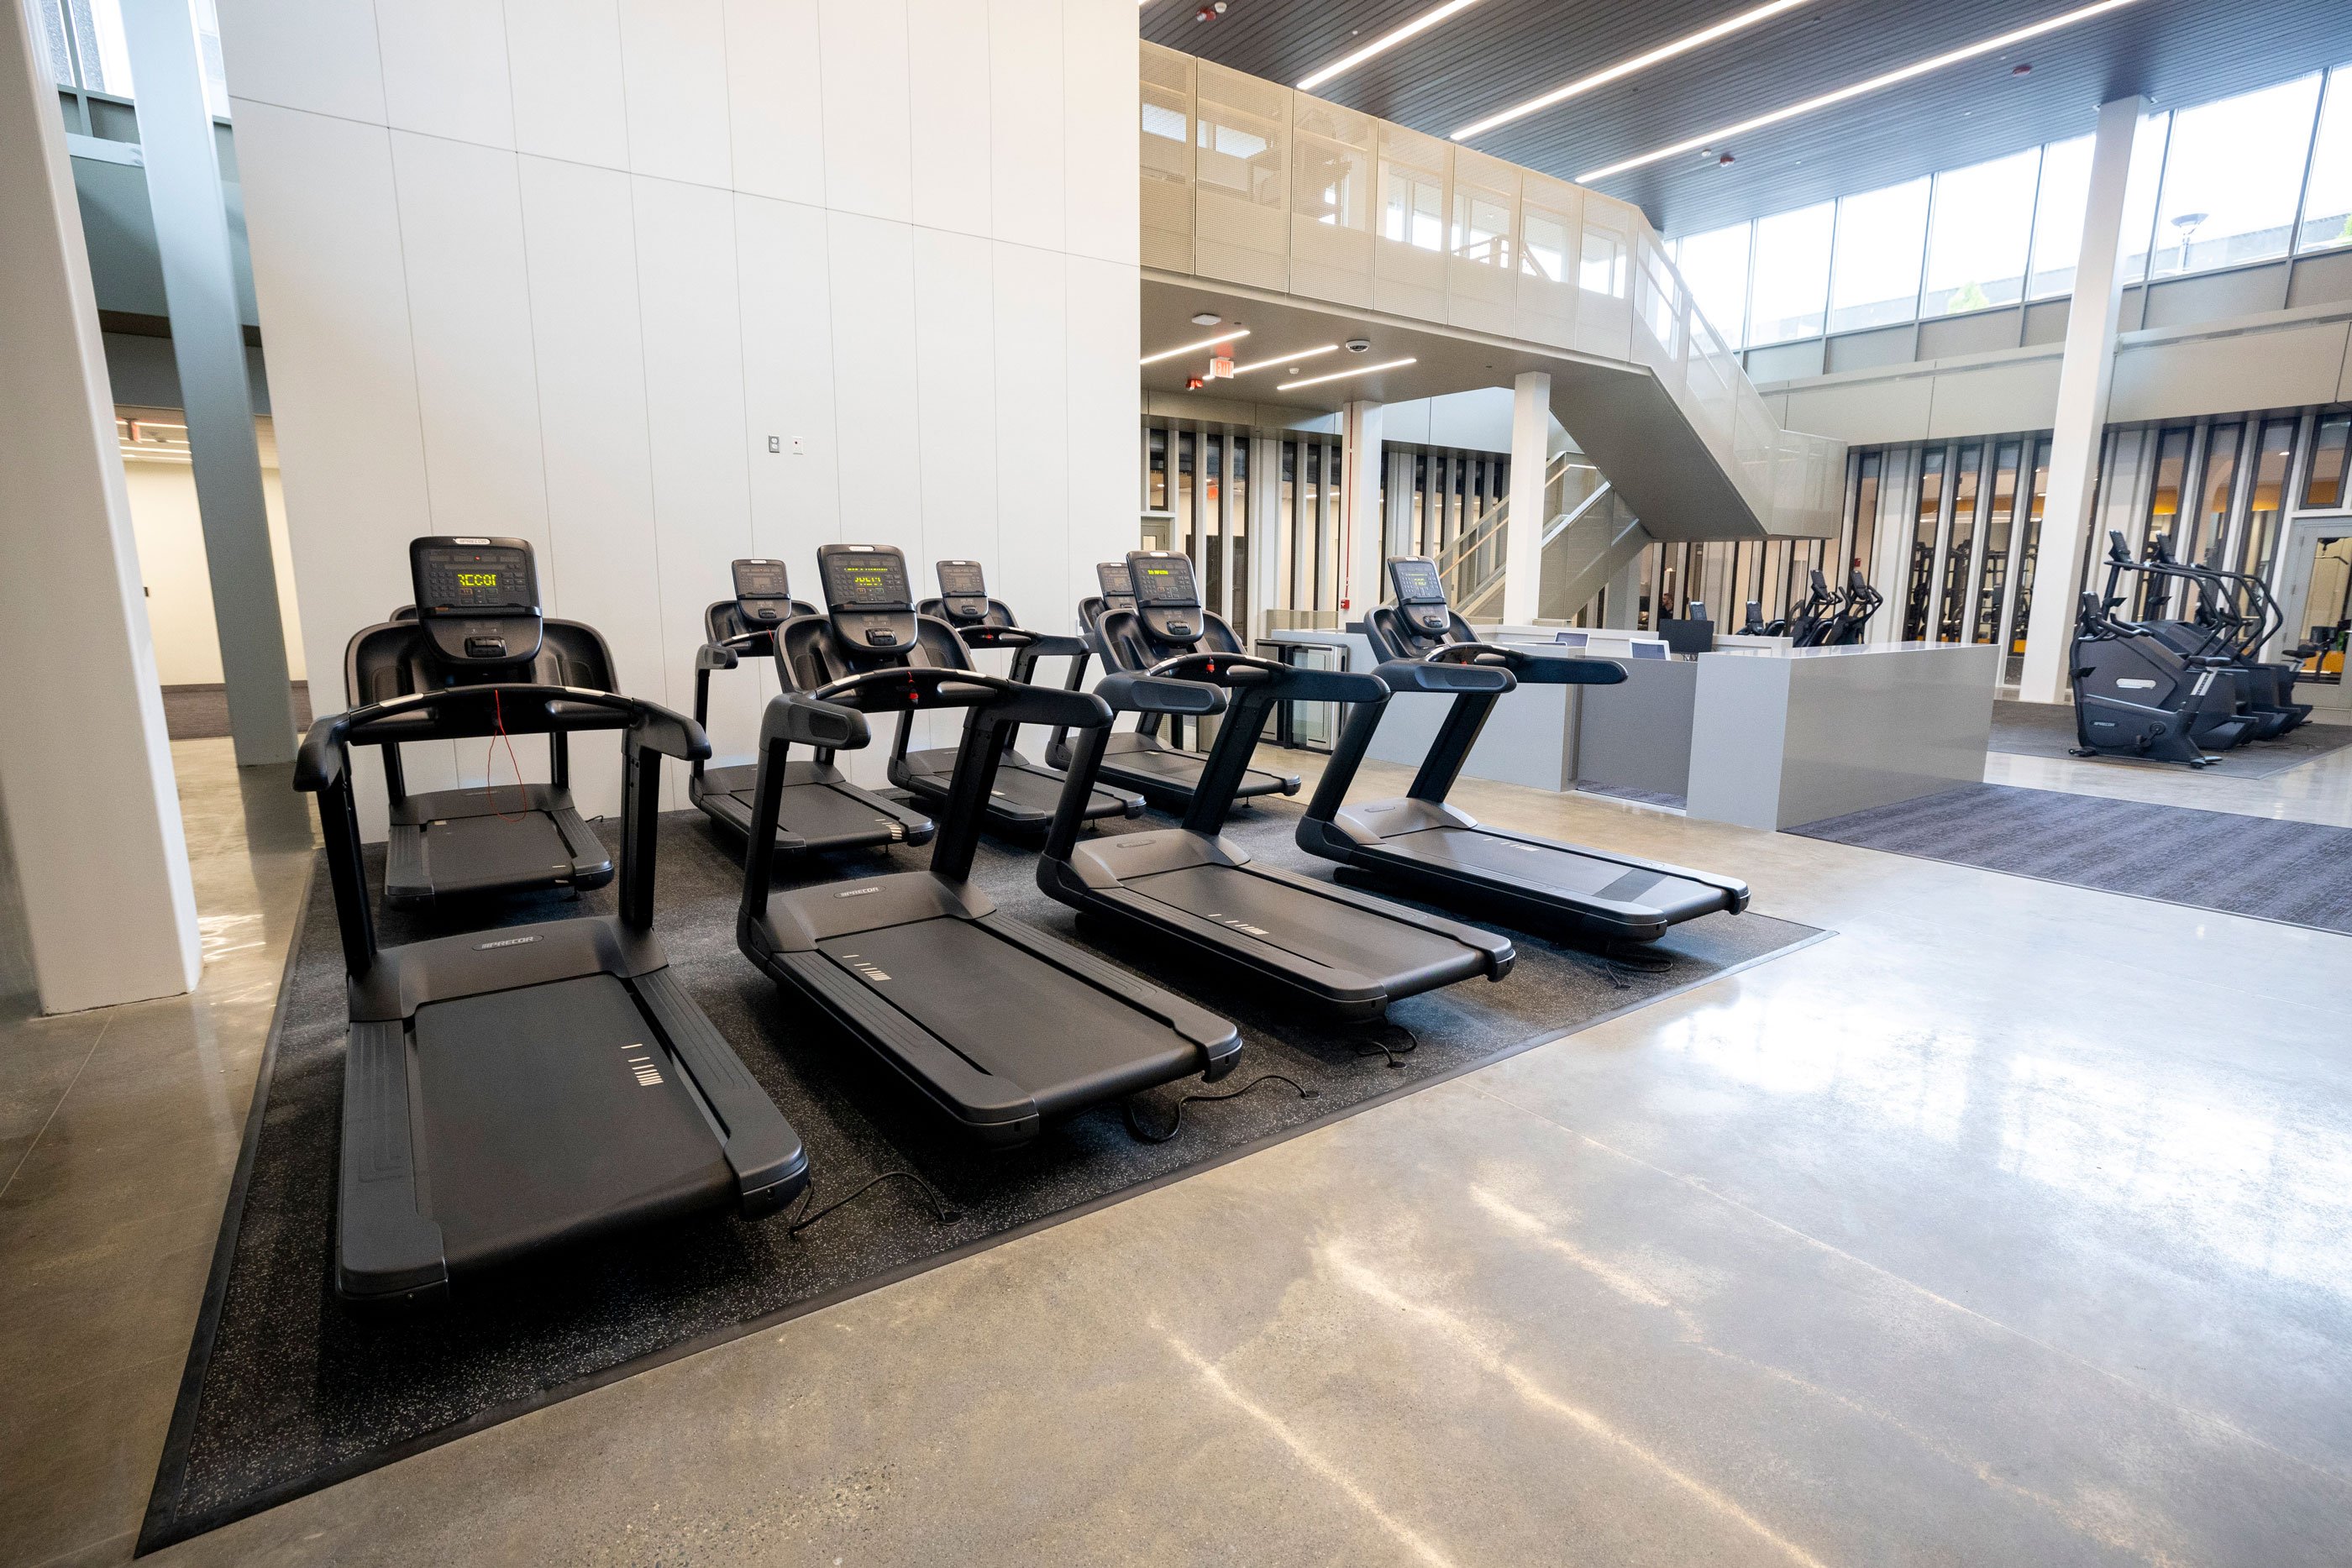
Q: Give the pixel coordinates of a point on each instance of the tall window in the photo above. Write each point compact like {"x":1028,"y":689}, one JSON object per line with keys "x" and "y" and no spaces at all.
{"x":1414,"y":212}
{"x":2058,"y":216}
{"x":2027,"y":550}
{"x":2325,"y":489}
{"x":2140,"y":192}
{"x":1715,"y":265}
{"x":2327,"y":200}
{"x":2000,"y":528}
{"x":1926,"y":513}
{"x":1951,"y":619}
{"x":1880,"y":236}
{"x":2265,"y":502}
{"x":1976,"y":242}
{"x":2231,"y":179}
{"x":1865,"y":513}
{"x":2164,"y":500}
{"x":1792,"y":273}
{"x":2214,"y":489}
{"x":85,"y":43}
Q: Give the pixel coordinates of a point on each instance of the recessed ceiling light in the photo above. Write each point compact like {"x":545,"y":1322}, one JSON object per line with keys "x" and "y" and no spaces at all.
{"x":1342,"y":375}
{"x":1920,"y":68}
{"x":1207,"y":319}
{"x":1389,"y":40}
{"x":1623,"y":69}
{"x":1236,"y":333}
{"x":1291,"y":359}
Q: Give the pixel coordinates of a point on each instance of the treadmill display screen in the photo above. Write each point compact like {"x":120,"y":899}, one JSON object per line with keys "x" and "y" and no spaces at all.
{"x":1416,"y":582}
{"x":860,"y":581}
{"x":961,"y":580}
{"x":461,"y":578}
{"x":1111,"y":577}
{"x":1168,"y":581}
{"x":761,"y":579}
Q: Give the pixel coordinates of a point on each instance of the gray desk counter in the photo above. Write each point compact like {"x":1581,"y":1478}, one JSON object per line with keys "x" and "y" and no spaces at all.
{"x":1762,"y":736}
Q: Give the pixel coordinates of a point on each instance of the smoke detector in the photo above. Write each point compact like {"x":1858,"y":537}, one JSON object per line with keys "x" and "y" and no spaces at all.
{"x":1359,"y":345}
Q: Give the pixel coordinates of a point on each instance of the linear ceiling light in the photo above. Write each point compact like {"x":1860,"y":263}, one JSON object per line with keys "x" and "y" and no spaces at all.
{"x":1237,"y":332}
{"x":1583,"y":84}
{"x":1286,"y":358}
{"x":1389,"y":40}
{"x":1935,"y":63}
{"x":1343,"y":375}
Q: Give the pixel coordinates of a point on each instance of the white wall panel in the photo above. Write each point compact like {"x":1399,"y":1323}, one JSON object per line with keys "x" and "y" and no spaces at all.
{"x":1100,"y":217}
{"x":955,"y":389}
{"x":319,"y":55}
{"x":674,"y":63}
{"x":580,"y":241}
{"x":947,"y":102}
{"x":444,"y":69}
{"x":1026,"y":176}
{"x":1030,"y":298}
{"x":788,"y":383}
{"x":775,"y":99}
{"x":868,"y":145}
{"x":694,"y":406}
{"x":1103,"y":321}
{"x":872,"y":265}
{"x":469,"y":318}
{"x":564,"y":58}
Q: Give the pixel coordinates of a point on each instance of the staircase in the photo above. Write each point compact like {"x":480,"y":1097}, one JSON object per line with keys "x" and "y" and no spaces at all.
{"x":1588,"y":535}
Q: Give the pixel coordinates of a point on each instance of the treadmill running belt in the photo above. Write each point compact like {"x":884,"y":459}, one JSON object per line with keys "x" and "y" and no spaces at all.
{"x":808,"y":812}
{"x":1323,"y":930}
{"x":549,"y":1110}
{"x":1010,"y":1013}
{"x":467,"y":852}
{"x":1563,"y":868}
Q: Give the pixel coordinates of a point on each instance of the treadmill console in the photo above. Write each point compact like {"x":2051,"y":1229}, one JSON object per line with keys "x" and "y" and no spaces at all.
{"x":964,"y":592}
{"x":477,"y":600}
{"x":763,"y":592}
{"x":1167,"y":599}
{"x":1420,"y":594}
{"x":866,"y":593}
{"x":1117,"y":587}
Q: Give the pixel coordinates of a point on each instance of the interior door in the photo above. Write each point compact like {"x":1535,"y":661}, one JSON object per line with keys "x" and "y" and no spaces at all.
{"x":2314,"y":594}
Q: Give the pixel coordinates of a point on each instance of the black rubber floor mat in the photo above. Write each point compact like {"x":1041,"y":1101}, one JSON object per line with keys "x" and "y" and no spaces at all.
{"x":2297,"y":873}
{"x":287,"y":1391}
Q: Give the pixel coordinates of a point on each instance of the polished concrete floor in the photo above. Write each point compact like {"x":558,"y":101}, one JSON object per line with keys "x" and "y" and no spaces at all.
{"x":2014,"y":1224}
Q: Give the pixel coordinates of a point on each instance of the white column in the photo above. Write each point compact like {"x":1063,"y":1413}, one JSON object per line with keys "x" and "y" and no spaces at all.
{"x":1523,"y":546}
{"x":1361,"y":527}
{"x":106,"y":909}
{"x":183,"y":190}
{"x":2084,"y":378}
{"x":1268,"y":549}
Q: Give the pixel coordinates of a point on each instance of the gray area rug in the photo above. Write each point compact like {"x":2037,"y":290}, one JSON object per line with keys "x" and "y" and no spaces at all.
{"x":2047,"y":729}
{"x":287,"y":1391}
{"x":2292,"y":872}
{"x":201,"y":713}
{"x":1672,"y":799}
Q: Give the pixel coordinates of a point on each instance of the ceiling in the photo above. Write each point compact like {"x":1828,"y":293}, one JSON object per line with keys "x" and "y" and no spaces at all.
{"x":1500,"y":52}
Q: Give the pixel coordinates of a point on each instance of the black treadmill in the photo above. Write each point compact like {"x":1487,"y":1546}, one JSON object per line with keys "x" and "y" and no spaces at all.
{"x":1026,"y":793}
{"x":998,"y":1026}
{"x":1346,"y":955}
{"x":1138,"y":760}
{"x":821,"y":811}
{"x":1421,"y":846}
{"x":475,"y":619}
{"x":529,"y":1086}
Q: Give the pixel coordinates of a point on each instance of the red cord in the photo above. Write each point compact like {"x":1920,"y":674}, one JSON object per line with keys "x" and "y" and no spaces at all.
{"x":490,"y":755}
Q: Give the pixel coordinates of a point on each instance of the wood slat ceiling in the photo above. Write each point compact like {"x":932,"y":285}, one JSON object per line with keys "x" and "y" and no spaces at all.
{"x":1501,"y":52}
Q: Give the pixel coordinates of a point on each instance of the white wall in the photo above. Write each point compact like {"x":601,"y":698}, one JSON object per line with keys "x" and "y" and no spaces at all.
{"x":179,"y":586}
{"x":560,"y":268}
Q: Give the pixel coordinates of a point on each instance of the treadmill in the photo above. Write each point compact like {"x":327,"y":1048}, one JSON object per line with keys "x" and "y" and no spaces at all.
{"x":475,"y":619}
{"x":512,"y":1091}
{"x":1421,"y":847}
{"x":999,"y":1026}
{"x":1138,"y":760}
{"x":821,"y":812}
{"x":1196,"y":895}
{"x":1026,"y":793}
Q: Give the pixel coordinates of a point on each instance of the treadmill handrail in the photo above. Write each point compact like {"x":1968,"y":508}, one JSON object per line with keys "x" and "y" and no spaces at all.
{"x":1429,"y":675}
{"x":1135,"y":693}
{"x":1300,"y":683}
{"x":1532,"y":669}
{"x":1016,"y":702}
{"x":323,"y":756}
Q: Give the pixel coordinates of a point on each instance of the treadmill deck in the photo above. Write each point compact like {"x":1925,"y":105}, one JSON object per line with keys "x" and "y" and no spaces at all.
{"x":1553,"y":870}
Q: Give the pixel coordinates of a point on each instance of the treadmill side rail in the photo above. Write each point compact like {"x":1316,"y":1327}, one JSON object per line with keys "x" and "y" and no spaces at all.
{"x":386,"y":1250}
{"x":770,"y":1163}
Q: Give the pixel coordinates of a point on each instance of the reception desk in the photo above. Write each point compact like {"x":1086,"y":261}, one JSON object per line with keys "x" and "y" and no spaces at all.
{"x":1755,"y":733}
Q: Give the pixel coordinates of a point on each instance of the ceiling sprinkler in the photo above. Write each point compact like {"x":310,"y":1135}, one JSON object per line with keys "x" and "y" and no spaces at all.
{"x":1210,"y":12}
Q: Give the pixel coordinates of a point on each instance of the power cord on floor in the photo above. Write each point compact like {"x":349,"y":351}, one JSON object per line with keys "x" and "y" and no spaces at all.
{"x":1135,"y":1128}
{"x":947,"y":1213}
{"x":1412,"y":1042}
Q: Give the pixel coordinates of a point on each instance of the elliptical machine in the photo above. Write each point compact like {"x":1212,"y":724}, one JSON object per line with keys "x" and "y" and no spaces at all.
{"x":1845,"y":628}
{"x":2136,"y":696}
